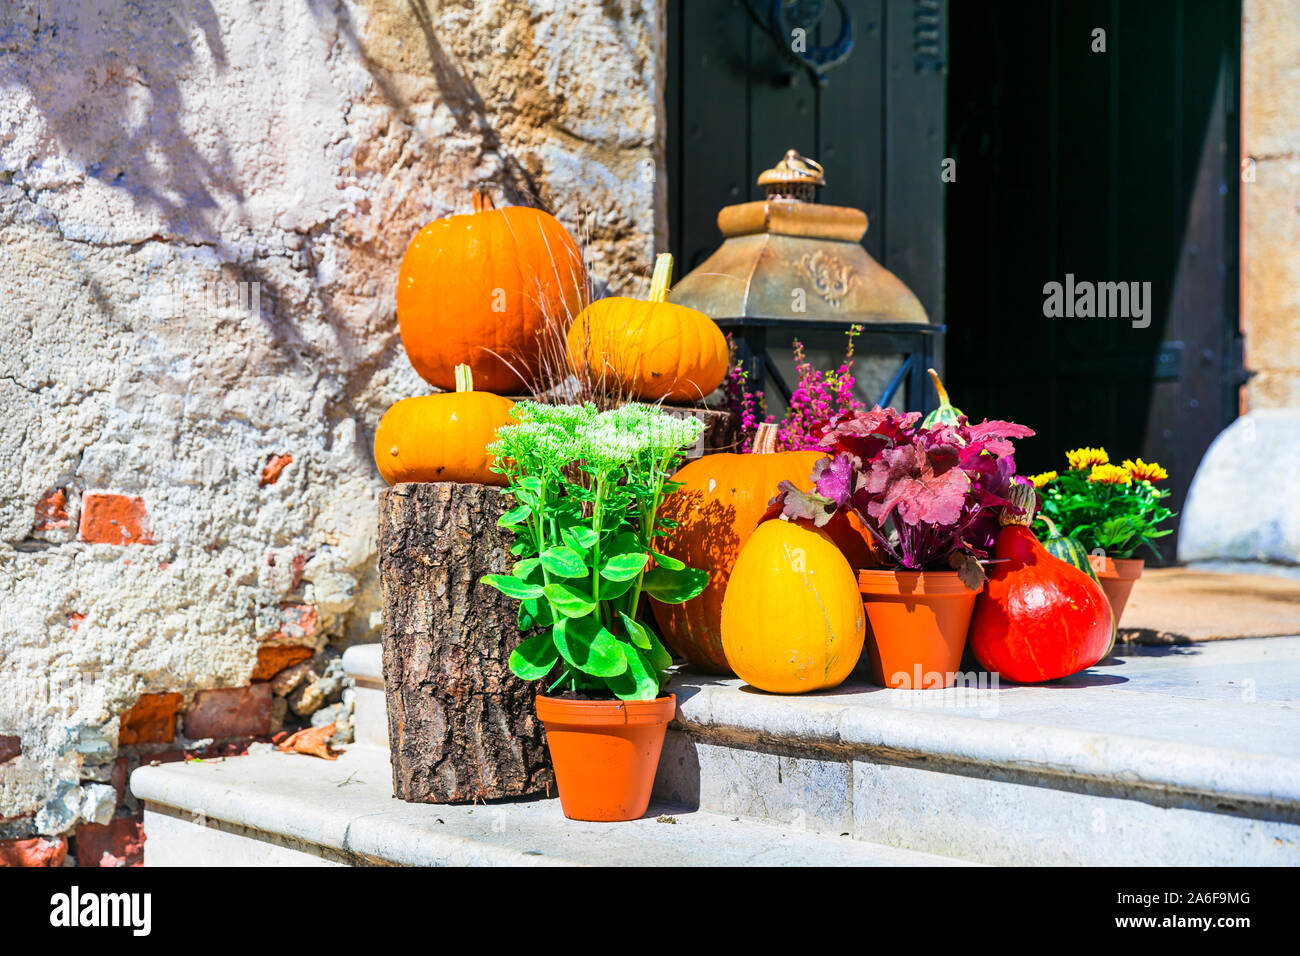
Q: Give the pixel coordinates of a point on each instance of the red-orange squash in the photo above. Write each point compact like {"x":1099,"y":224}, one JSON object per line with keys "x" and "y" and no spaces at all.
{"x":722,"y":499}
{"x":1038,"y":618}
{"x":649,"y":349}
{"x":486,"y":289}
{"x":442,"y":437}
{"x":792,"y":618}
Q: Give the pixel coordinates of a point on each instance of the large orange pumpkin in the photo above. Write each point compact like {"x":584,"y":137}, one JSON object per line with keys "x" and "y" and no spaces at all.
{"x":442,"y":437}
{"x":481,"y":289}
{"x":650,"y":349}
{"x":720,"y":502}
{"x":792,"y":618}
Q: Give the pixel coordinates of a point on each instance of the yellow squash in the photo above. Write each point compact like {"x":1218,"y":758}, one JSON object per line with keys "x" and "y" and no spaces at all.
{"x":792,"y":617}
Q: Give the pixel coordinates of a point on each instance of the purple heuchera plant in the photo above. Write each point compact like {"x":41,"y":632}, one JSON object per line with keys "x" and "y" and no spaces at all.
{"x":930,"y":496}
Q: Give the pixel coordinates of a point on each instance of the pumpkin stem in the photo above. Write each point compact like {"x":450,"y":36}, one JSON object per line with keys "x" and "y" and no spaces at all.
{"x":938,"y":387}
{"x":483,"y":199}
{"x":1026,"y":499}
{"x":1051,"y":526}
{"x":464,"y":378}
{"x":662,"y":277}
{"x":765,"y":439}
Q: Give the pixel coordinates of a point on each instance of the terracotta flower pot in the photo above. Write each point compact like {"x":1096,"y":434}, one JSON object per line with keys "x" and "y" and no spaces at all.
{"x":916,"y":626}
{"x":1117,"y":576}
{"x":605,"y":753}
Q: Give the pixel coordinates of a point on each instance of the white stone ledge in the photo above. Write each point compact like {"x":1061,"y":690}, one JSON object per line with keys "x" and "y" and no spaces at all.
{"x":365,"y":663}
{"x":1164,"y":730}
{"x":344,"y":811}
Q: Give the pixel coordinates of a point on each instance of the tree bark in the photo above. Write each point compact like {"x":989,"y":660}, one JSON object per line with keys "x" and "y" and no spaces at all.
{"x":461,"y":726}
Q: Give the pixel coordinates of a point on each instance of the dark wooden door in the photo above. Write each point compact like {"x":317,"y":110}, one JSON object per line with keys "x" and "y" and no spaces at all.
{"x":736,"y":103}
{"x":1114,"y":166}
{"x":1119,"y":165}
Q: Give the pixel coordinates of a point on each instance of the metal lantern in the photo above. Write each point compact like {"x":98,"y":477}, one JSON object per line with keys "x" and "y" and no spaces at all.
{"x":788,"y":263}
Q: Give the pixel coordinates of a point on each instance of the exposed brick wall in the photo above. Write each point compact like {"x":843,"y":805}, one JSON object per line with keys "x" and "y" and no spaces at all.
{"x":52,"y":511}
{"x":35,"y":851}
{"x":152,"y":720}
{"x":114,"y":519}
{"x":229,"y":712}
{"x":274,"y":465}
{"x":120,"y":843}
{"x":272,"y":659}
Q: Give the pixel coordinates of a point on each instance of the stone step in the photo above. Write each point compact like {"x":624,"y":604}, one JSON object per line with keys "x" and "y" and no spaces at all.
{"x":274,"y":809}
{"x":364,"y":664}
{"x":1161,"y":756}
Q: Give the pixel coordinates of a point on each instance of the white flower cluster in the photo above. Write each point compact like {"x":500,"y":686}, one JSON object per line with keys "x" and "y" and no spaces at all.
{"x":552,"y":436}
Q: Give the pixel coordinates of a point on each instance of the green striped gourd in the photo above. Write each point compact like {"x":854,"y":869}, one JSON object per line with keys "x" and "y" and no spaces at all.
{"x":1073,"y":553}
{"x":1068,"y":550}
{"x":945,"y":414}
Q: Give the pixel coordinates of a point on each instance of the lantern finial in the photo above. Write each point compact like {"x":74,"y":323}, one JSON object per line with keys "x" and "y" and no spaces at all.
{"x":794,"y":177}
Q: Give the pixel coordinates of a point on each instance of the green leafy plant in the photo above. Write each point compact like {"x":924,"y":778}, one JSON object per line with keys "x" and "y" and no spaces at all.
{"x":1112,"y":508}
{"x":587,"y":487}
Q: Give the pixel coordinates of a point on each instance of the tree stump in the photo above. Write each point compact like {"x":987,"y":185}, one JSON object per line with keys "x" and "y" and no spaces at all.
{"x":461,"y":726}
{"x":720,"y":429}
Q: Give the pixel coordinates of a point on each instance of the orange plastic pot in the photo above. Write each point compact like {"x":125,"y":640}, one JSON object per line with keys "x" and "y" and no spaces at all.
{"x":916,"y":626}
{"x":1117,"y":577}
{"x":605,"y":753}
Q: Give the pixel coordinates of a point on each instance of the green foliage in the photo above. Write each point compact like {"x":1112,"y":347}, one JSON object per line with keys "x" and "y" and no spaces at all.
{"x":1116,"y":518}
{"x":587,"y":487}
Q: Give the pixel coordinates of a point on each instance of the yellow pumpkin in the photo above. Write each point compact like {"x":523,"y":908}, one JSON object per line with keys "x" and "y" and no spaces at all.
{"x":792,"y":617}
{"x":442,"y":437}
{"x":650,"y":349}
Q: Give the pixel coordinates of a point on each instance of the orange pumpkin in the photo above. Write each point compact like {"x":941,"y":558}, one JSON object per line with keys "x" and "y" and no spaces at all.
{"x":481,"y":289}
{"x":651,"y":349}
{"x":442,"y":437}
{"x":721,"y":500}
{"x":792,"y":619}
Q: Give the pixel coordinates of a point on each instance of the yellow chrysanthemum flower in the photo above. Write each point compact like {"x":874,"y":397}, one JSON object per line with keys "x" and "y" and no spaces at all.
{"x":1083,"y":458}
{"x":1144,"y":470}
{"x":1043,"y":478}
{"x":1110,"y":475}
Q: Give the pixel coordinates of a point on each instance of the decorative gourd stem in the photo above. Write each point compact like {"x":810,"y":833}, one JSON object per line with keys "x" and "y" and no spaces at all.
{"x":483,"y":199}
{"x":662,"y":277}
{"x":765,"y":439}
{"x":1051,"y":526}
{"x":464,"y":378}
{"x":945,"y":413}
{"x":938,"y":387}
{"x":1026,"y":499}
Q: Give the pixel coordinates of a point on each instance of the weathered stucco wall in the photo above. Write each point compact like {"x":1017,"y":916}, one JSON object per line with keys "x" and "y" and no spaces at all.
{"x":153,"y":157}
{"x":1270,"y":306}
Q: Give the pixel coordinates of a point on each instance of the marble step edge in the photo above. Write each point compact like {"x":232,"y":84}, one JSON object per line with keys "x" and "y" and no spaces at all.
{"x":364,"y":838}
{"x":1230,"y":780}
{"x":278,"y":795}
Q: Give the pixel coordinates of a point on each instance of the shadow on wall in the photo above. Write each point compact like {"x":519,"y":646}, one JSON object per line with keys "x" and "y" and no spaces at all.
{"x":519,"y":184}
{"x":131,"y":120}
{"x":120,"y":120}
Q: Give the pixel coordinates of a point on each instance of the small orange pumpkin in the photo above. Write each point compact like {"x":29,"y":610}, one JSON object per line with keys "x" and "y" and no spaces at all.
{"x":481,"y":290}
{"x":442,"y":437}
{"x":652,"y":349}
{"x":792,"y":619}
